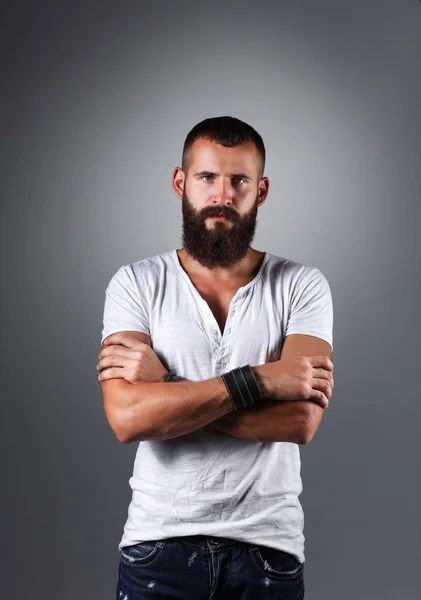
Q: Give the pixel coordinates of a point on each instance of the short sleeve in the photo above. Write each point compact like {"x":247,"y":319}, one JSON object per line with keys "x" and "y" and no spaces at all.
{"x":311,"y":308}
{"x":124,"y":307}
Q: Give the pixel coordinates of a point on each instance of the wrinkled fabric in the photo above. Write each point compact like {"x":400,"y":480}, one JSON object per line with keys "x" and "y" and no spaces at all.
{"x":207,"y":482}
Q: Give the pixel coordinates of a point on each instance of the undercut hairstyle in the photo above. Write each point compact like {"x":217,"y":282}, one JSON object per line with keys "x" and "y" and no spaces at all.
{"x":227,"y":131}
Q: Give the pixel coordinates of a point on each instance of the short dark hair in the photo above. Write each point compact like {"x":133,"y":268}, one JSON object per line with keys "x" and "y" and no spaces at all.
{"x":227,"y":131}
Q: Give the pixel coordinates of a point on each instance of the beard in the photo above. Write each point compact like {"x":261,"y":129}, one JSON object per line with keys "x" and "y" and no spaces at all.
{"x":220,"y":246}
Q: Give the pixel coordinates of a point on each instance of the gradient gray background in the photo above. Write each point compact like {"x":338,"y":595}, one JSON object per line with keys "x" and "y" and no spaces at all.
{"x":97,"y":100}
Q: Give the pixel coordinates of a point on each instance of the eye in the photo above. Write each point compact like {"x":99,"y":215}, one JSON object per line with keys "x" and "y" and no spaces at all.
{"x":204,"y":176}
{"x":238,"y":178}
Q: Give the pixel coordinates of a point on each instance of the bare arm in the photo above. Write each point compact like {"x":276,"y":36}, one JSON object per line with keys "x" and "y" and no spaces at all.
{"x":162,"y":410}
{"x":292,"y":421}
{"x":152,"y":410}
{"x":270,"y":421}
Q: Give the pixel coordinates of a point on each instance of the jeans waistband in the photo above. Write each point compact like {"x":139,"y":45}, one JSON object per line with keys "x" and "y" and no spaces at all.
{"x":209,"y":541}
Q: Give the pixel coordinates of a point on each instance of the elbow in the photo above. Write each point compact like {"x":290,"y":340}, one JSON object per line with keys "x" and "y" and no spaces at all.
{"x":121,"y":408}
{"x":308,"y":426}
{"x":304,"y":435}
{"x":127,"y":437}
{"x":120,"y":432}
{"x":123,"y":438}
{"x":122,"y":429}
{"x":129,"y":430}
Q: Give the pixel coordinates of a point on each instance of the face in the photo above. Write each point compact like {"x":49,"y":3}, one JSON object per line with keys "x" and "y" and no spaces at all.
{"x":220,"y":200}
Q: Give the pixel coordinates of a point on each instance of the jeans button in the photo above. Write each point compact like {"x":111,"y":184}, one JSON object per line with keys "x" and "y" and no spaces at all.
{"x":214,"y":542}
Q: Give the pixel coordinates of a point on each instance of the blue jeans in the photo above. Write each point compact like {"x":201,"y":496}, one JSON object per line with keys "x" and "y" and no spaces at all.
{"x":203,"y":567}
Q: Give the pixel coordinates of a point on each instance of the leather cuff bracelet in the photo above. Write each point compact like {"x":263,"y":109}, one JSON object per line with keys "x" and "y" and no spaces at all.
{"x":242,"y":387}
{"x":171,"y":376}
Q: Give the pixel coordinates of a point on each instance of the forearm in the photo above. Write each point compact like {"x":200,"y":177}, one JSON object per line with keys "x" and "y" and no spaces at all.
{"x":166,"y":410}
{"x":269,"y":421}
{"x":161,"y":411}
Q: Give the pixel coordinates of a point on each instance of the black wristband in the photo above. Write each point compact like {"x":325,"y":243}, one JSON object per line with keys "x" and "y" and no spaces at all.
{"x":236,"y":393}
{"x":252,"y":383}
{"x":242,"y":387}
{"x":171,"y":376}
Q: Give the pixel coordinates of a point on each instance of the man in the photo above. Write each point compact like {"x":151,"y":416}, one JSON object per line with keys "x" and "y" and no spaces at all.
{"x":215,"y":510}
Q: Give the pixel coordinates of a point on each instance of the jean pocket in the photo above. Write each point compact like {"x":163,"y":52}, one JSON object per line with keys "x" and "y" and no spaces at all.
{"x":142,"y":553}
{"x":276,"y":563}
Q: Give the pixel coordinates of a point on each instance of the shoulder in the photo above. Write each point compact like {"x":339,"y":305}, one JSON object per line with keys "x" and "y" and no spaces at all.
{"x":143,"y":270}
{"x":292,"y":273}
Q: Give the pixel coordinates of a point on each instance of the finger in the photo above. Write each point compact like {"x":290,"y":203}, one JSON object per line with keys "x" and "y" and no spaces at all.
{"x":321,"y":361}
{"x":117,"y":350}
{"x":323,"y":374}
{"x":112,"y":373}
{"x":114,"y":361}
{"x":123,"y":338}
{"x":321,"y":399}
{"x":322,"y":385}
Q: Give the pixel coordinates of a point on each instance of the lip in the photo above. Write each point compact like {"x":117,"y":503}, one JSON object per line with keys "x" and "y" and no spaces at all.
{"x":220,"y":217}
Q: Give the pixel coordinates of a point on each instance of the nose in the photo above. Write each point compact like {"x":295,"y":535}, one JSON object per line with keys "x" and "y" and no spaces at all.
{"x":223,"y":194}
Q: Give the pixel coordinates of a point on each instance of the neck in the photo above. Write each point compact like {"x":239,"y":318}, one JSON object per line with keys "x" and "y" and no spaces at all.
{"x":243,"y":269}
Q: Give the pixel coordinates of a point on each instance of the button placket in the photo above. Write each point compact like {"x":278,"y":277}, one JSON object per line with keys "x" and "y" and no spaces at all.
{"x":222,"y":357}
{"x":219,"y":340}
{"x":211,"y":326}
{"x":231,"y":314}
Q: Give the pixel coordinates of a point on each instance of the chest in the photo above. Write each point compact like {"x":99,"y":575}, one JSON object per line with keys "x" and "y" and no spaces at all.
{"x":218,"y":300}
{"x":199,"y":330}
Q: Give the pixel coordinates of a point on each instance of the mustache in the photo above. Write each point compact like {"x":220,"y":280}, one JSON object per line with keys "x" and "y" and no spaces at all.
{"x":215,"y":211}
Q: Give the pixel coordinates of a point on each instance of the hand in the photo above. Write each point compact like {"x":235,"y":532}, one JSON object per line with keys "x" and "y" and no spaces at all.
{"x":297,"y":378}
{"x":126,"y":357}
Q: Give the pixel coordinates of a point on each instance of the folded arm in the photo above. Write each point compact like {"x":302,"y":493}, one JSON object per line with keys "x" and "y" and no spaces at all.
{"x":156,"y":410}
{"x":270,"y":421}
{"x":161,"y":411}
{"x":289,"y":421}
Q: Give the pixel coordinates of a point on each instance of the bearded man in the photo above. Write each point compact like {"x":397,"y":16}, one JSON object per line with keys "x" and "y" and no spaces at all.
{"x":216,"y":361}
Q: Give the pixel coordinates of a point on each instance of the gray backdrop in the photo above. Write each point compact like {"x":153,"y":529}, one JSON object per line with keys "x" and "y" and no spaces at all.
{"x":97,"y":99}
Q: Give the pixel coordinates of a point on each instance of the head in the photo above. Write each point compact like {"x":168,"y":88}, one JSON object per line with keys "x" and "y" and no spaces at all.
{"x":222,"y":175}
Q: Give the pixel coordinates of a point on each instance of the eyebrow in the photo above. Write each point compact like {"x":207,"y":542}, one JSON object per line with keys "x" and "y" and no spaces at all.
{"x":243,"y":175}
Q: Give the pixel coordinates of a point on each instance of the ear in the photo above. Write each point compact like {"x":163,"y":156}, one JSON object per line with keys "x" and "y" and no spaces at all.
{"x":178,"y":180}
{"x":263,"y":190}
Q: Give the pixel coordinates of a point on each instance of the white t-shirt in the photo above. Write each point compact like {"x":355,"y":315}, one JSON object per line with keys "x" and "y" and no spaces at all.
{"x":208,"y":482}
